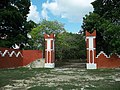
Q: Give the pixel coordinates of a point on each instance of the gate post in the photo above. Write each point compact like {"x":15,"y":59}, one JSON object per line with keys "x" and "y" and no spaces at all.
{"x":91,"y":50}
{"x":49,"y":51}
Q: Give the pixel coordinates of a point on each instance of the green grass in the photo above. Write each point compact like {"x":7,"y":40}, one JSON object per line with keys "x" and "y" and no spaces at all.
{"x":7,"y":75}
{"x":42,"y":88}
{"x":57,"y":79}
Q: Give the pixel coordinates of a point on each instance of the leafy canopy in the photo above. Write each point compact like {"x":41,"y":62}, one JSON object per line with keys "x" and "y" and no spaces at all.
{"x":13,"y":24}
{"x":44,"y":27}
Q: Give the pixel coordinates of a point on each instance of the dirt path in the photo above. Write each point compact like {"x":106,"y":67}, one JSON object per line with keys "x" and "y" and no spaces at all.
{"x":74,"y":65}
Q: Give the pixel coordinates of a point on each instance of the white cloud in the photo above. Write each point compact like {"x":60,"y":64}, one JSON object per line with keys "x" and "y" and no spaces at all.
{"x":33,"y":15}
{"x":73,"y":10}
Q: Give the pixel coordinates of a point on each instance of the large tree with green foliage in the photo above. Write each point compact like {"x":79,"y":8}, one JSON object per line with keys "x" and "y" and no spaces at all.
{"x":44,"y":27}
{"x":106,"y":20}
{"x":108,"y":9}
{"x":70,"y":46}
{"x":13,"y":24}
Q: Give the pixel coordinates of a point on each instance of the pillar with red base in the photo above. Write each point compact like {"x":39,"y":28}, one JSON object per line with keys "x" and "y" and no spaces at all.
{"x":91,"y":50}
{"x":49,"y":51}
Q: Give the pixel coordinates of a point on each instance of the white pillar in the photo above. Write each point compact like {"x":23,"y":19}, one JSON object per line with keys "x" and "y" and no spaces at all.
{"x":49,"y":51}
{"x":91,"y":49}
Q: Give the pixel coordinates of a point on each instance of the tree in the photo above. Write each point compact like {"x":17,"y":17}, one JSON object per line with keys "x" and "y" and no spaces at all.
{"x":45,"y":27}
{"x":70,"y":46}
{"x":13,"y":24}
{"x":93,"y":22}
{"x":106,"y":24}
{"x":108,"y":9}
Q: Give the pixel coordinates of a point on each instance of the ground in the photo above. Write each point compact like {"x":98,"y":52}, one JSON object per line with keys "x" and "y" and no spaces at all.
{"x":59,"y":79}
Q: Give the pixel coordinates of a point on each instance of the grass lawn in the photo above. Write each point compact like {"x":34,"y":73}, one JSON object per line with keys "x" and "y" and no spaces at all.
{"x":59,"y":79}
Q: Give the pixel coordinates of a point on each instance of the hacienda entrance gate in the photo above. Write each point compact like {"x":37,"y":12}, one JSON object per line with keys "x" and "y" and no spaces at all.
{"x":11,"y":58}
{"x":93,"y":61}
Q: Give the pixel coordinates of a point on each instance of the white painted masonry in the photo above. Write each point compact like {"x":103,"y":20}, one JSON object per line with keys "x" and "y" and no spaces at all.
{"x":6,"y":52}
{"x":49,"y":65}
{"x":49,"y":49}
{"x":91,"y":66}
{"x":90,"y":48}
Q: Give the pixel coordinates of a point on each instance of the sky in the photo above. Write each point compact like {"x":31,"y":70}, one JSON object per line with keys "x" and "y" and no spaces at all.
{"x":68,"y":12}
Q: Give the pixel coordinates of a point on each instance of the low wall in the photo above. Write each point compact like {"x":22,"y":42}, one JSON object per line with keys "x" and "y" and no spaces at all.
{"x":104,"y":61}
{"x":11,"y":58}
{"x":30,"y":56}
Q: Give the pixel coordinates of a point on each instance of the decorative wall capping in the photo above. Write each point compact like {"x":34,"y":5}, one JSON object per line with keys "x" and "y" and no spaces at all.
{"x":90,"y":34}
{"x":10,"y":54}
{"x":117,"y":55}
{"x":46,"y":36}
{"x":114,"y":54}
{"x":102,"y":52}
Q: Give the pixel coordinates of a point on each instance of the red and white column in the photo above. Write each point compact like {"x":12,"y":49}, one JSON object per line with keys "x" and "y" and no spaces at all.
{"x":49,"y":51}
{"x":91,"y":50}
